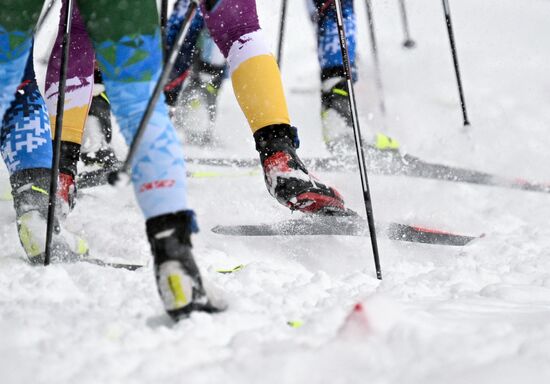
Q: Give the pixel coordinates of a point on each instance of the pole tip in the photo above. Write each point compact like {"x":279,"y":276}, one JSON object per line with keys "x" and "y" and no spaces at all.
{"x":379,"y":275}
{"x":113,"y":177}
{"x":409,"y":44}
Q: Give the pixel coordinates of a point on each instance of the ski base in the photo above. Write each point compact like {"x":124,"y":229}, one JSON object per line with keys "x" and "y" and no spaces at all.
{"x":345,"y":226}
{"x":393,"y":163}
{"x":101,"y":263}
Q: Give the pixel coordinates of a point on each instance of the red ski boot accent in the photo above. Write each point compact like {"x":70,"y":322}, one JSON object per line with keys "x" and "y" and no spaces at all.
{"x":287,"y":178}
{"x":66,"y":192}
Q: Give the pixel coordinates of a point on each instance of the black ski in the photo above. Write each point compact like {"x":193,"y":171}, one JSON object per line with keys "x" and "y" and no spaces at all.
{"x":380,"y":162}
{"x":345,"y":226}
{"x":394,"y":163}
{"x":130,"y":267}
{"x":89,"y":179}
{"x":99,"y":177}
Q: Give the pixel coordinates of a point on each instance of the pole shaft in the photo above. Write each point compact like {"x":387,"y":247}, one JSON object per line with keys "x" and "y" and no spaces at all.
{"x":163,"y":22}
{"x":408,"y":42}
{"x":358,"y":140}
{"x":447,"y":10}
{"x":281,"y":32}
{"x":374,"y":51}
{"x":58,"y":131}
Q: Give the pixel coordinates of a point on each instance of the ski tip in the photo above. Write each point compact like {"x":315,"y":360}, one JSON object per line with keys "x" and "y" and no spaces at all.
{"x":295,"y":323}
{"x":420,"y":234}
{"x":101,"y":263}
{"x":230,"y":270}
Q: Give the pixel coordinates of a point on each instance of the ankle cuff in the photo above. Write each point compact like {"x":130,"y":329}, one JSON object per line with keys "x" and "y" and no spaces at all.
{"x":266,"y":135}
{"x":183,"y":223}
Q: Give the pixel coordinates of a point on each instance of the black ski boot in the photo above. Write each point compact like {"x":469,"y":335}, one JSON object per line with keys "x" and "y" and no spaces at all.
{"x":178,"y":278}
{"x":336,"y":116}
{"x":30,"y":189}
{"x":98,"y":131}
{"x":287,"y":178}
{"x":198,"y":103}
{"x":338,"y":124}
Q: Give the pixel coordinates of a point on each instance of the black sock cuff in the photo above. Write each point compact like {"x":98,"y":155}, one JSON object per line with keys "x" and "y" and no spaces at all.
{"x":70,"y":153}
{"x":183,"y":222}
{"x":265,"y":135}
{"x":39,"y":177}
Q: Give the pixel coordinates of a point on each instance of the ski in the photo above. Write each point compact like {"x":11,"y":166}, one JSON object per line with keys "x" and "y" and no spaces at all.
{"x":89,"y":179}
{"x":101,"y":263}
{"x":99,"y":177}
{"x":226,"y":271}
{"x":379,"y":162}
{"x":393,"y":163}
{"x":345,"y":226}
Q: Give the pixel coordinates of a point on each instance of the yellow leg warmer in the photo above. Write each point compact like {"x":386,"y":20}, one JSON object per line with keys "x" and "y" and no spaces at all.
{"x":74,"y":120}
{"x":259,"y":91}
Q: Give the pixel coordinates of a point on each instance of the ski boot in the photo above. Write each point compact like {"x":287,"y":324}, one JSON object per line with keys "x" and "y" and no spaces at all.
{"x":30,"y":196}
{"x":287,"y":178}
{"x":338,"y":125}
{"x":98,"y":132}
{"x":178,"y":278}
{"x":198,"y":104}
{"x":336,"y":116}
{"x":66,"y":186}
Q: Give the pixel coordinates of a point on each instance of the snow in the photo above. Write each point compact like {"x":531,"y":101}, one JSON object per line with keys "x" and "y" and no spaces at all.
{"x":474,"y":314}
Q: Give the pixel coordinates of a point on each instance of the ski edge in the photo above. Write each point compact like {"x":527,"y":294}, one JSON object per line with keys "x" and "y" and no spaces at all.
{"x":394,"y":231}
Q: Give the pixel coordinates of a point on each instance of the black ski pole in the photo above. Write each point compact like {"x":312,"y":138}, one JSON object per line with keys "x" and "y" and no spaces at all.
{"x":357,"y":136}
{"x":447,"y":10}
{"x":408,"y":42}
{"x":163,"y":22}
{"x":167,"y":68}
{"x":281,"y":32}
{"x":58,"y":128}
{"x":374,"y":51}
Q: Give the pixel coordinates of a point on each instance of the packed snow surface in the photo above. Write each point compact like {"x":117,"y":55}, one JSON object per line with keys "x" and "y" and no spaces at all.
{"x":473,"y":314}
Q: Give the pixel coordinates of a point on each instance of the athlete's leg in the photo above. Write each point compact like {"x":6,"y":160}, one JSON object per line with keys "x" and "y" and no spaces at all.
{"x":78,"y":94}
{"x":187,"y":52}
{"x":256,"y":79}
{"x":328,"y":42}
{"x":27,"y":150}
{"x":80,"y":78}
{"x":17,"y":19}
{"x":257,"y":83}
{"x":129,"y":54}
{"x":335,"y":108}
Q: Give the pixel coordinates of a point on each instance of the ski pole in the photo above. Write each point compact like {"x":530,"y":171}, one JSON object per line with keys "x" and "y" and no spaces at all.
{"x":374,"y":51}
{"x":408,"y":42}
{"x":357,"y":136}
{"x":167,"y":68}
{"x":281,"y":32}
{"x":58,"y":128}
{"x":163,"y":22}
{"x":447,"y":10}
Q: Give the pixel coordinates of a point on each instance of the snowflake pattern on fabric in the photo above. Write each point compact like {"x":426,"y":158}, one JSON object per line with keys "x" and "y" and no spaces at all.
{"x":328,"y":40}
{"x":14,"y":50}
{"x":131,"y":68}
